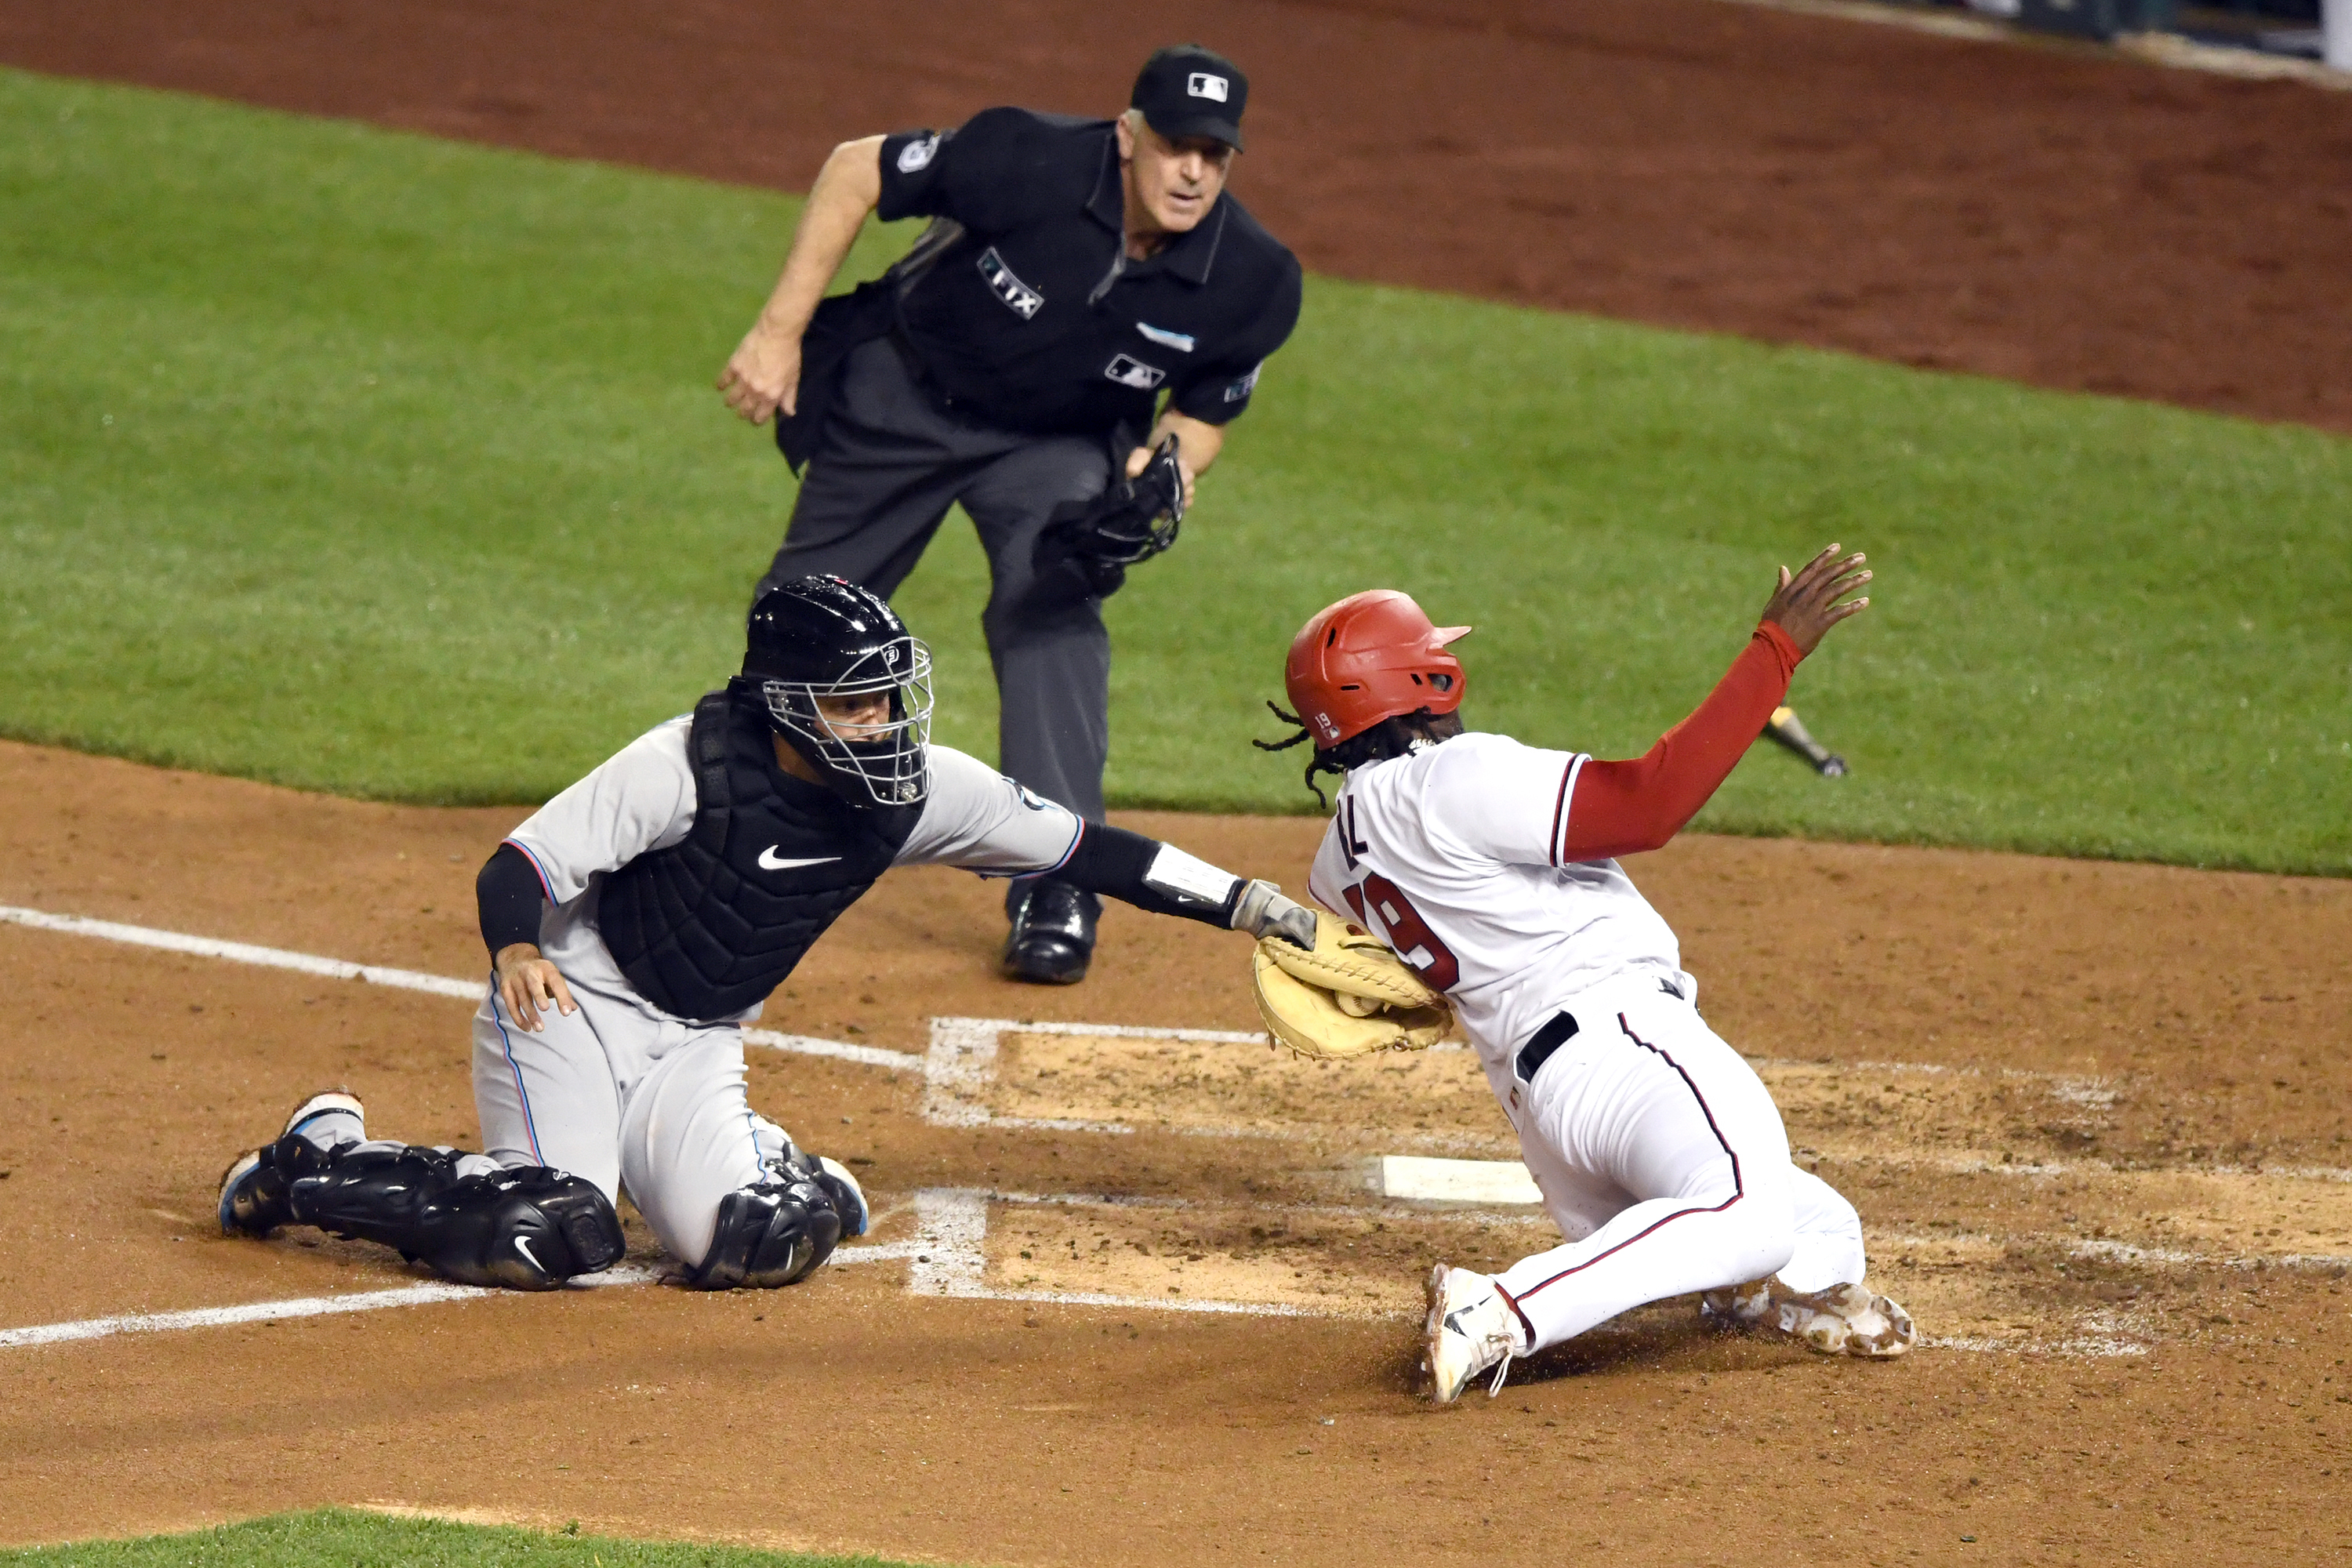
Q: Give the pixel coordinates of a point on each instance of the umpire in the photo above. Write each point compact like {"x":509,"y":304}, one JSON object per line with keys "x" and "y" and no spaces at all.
{"x":1082,"y":282}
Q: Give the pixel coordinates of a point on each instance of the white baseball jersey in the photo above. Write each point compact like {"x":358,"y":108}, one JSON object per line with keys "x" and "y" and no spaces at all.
{"x":643,"y":798}
{"x":1452,"y":856}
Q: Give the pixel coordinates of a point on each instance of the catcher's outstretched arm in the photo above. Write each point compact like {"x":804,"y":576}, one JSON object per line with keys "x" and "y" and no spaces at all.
{"x":1165,"y":881}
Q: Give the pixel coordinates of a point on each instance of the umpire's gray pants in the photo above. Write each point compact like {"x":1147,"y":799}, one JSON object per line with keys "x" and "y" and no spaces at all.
{"x":890,"y":464}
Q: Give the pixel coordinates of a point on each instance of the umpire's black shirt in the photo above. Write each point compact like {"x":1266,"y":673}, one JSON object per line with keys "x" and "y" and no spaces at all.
{"x":1024,"y":312}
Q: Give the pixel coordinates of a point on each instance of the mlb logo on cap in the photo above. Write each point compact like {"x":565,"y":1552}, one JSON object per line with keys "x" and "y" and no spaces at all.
{"x":1187,"y":91}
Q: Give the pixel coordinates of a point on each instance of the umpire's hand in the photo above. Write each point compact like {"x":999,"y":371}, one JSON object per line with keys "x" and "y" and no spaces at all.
{"x":527,"y":983}
{"x":764,"y":374}
{"x":1140,"y":460}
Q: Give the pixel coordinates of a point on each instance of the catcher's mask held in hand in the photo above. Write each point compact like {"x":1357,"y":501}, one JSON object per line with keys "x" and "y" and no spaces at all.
{"x":1130,"y":521}
{"x":1370,"y":657}
{"x":824,"y":636}
{"x":1347,"y":996}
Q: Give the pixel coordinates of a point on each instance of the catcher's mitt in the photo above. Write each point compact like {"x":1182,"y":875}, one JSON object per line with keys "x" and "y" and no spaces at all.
{"x":1131,"y":522}
{"x":1347,"y":997}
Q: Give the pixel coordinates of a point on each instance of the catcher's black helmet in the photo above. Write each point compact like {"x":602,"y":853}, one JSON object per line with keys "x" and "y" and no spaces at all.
{"x":823,"y":636}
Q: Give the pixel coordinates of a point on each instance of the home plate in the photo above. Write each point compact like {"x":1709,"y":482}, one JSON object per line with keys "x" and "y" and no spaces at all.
{"x":1457,"y":1181}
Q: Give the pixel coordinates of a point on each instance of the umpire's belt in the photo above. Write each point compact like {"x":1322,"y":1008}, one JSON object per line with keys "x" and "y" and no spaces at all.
{"x":1546,"y":1040}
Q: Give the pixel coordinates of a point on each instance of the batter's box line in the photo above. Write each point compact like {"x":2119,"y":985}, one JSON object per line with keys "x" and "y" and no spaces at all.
{"x":961,"y":1065}
{"x":949,"y":1258}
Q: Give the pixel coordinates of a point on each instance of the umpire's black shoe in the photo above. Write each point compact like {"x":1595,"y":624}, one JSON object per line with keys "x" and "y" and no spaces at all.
{"x":1052,"y":935}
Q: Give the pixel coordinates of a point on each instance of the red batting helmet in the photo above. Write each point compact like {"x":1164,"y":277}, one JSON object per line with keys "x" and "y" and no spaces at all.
{"x":1370,"y":657}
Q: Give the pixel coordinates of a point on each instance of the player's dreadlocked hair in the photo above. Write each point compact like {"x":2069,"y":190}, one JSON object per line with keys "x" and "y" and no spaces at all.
{"x":1398,"y":735}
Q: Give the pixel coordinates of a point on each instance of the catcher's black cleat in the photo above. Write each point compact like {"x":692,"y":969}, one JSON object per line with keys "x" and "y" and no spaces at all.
{"x":1052,"y":935}
{"x":253,"y":1200}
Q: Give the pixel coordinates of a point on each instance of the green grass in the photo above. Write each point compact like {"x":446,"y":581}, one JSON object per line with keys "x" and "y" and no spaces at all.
{"x":347,"y":1538}
{"x":390,"y":467}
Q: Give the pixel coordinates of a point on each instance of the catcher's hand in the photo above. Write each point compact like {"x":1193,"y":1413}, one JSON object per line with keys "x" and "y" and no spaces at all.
{"x":1347,"y":996}
{"x":1261,"y":910}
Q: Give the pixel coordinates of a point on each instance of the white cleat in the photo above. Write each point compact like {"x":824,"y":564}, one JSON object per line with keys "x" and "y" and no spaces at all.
{"x":328,"y":1102}
{"x":1470,"y":1329}
{"x":1843,"y":1319}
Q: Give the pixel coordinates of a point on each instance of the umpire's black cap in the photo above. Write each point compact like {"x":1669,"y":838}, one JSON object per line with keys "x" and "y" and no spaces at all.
{"x":1187,"y":91}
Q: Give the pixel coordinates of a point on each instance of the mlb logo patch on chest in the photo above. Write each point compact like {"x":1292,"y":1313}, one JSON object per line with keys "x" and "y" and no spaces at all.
{"x":1023,"y":300}
{"x":1128,"y":371}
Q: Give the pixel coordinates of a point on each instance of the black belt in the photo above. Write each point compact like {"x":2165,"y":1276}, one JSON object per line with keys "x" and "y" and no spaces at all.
{"x":1548,"y":1039}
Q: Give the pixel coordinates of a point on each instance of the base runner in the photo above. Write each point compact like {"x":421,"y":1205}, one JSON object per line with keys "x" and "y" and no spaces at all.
{"x":638,"y":920}
{"x":1488,"y":867}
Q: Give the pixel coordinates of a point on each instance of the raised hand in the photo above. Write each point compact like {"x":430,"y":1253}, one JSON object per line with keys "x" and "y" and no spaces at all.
{"x":1806,"y":605}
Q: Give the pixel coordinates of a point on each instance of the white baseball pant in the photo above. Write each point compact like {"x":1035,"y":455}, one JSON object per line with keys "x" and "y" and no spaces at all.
{"x":622,"y":1097}
{"x":1661,"y":1155}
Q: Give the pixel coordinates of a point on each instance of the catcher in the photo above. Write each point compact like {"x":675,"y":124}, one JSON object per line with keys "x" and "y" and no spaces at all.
{"x":1488,"y":868}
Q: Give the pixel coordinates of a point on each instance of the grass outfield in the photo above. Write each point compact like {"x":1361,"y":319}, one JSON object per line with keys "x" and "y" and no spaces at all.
{"x":338,"y":1537}
{"x":385,"y":466}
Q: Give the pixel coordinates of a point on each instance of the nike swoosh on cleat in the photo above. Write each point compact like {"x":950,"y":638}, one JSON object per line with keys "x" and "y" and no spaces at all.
{"x":769,"y":861}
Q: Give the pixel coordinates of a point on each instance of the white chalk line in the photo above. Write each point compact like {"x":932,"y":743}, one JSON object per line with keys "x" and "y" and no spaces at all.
{"x":224,"y":1317}
{"x":243,"y":953}
{"x":948,"y":1254}
{"x":841,"y":1050}
{"x":397,"y":979}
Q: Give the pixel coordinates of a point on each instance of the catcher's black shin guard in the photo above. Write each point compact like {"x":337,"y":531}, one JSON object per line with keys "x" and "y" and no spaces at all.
{"x":528,"y":1227}
{"x":776,"y":1233}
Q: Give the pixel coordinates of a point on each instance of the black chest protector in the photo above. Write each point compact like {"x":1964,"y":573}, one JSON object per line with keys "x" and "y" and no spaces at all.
{"x":711,"y":925}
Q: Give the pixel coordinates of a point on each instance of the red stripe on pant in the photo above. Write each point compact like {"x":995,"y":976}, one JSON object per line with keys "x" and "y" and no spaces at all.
{"x":1738,"y":1189}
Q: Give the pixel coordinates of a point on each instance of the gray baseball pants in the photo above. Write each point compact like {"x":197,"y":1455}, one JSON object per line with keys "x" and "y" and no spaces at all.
{"x":624,"y":1098}
{"x":891,"y":462}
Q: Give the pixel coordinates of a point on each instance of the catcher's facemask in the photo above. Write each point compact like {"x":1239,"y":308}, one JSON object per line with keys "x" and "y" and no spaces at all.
{"x":1130,"y":521}
{"x":884,"y":765}
{"x":1145,"y":522}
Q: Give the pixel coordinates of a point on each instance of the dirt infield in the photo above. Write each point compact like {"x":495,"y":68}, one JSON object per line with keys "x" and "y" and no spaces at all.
{"x":2093,"y":1115}
{"x":2040,"y":212}
{"x":1131,"y":1299}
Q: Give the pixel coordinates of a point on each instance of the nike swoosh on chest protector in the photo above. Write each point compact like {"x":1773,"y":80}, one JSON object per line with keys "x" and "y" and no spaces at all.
{"x":770,"y":861}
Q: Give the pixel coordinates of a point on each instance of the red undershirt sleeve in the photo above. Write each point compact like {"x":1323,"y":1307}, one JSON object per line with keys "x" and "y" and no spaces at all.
{"x":1627,"y":807}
